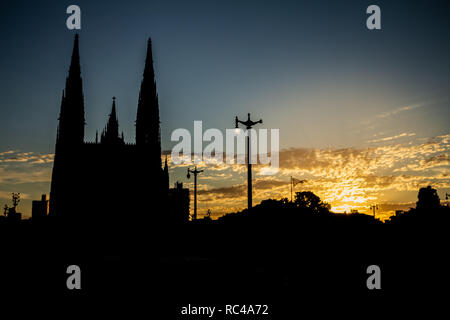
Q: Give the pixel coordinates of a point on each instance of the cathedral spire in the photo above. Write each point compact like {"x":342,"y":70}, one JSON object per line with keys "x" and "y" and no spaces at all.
{"x":147,"y":121}
{"x":113,"y":123}
{"x":75,"y":61}
{"x":111,"y":132}
{"x":71,"y":118}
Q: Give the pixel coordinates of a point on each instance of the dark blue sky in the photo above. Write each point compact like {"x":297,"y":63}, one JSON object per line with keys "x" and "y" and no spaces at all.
{"x":311,"y":68}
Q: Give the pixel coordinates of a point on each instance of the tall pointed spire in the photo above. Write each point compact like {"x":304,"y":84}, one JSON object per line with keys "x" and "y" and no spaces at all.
{"x":71,"y":118}
{"x":113,"y":122}
{"x":75,"y":61}
{"x":111,"y":132}
{"x":147,"y":121}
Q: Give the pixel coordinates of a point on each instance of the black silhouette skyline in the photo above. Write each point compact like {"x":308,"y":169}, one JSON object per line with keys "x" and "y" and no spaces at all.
{"x":117,"y":208}
{"x":311,"y":69}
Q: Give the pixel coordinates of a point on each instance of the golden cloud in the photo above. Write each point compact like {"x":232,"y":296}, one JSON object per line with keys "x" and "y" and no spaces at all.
{"x":347,"y":178}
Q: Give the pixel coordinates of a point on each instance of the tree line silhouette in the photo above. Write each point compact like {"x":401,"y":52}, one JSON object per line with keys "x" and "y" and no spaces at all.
{"x":278,"y":251}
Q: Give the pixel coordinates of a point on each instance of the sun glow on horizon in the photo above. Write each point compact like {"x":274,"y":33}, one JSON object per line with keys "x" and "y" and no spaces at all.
{"x":349,"y":179}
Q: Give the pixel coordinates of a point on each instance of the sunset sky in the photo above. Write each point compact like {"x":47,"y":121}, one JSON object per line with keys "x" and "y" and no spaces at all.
{"x":363,"y":115}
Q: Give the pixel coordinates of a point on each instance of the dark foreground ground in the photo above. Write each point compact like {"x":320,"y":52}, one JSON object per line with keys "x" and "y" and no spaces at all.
{"x":295,"y":269}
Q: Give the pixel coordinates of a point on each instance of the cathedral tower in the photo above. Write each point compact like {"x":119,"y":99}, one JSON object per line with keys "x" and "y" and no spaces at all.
{"x":70,"y":135}
{"x":148,"y":135}
{"x":109,"y":183}
{"x":71,"y":116}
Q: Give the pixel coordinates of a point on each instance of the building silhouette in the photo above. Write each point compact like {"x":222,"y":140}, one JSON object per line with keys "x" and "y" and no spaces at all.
{"x":39,"y":208}
{"x":179,"y":203}
{"x":12,"y":215}
{"x":108,"y":180}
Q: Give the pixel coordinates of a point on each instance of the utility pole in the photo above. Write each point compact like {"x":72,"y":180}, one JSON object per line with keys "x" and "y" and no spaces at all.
{"x":248,"y":125}
{"x":295,"y":182}
{"x":195,"y":172}
{"x":291,"y":187}
{"x":373,"y":208}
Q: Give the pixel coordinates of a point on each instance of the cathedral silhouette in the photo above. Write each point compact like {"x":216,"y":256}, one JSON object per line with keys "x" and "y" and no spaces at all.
{"x":109,"y":180}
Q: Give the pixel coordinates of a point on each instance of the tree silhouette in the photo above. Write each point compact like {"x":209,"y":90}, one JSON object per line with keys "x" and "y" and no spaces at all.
{"x":308,"y":200}
{"x":15,"y":199}
{"x":428,"y":199}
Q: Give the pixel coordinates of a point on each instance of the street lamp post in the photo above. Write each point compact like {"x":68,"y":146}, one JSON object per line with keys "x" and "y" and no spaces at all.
{"x":248,"y":125}
{"x":373,"y":208}
{"x":195,"y":172}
